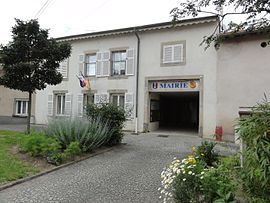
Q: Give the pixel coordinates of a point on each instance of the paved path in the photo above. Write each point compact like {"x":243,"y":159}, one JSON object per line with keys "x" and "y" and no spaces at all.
{"x":129,"y":173}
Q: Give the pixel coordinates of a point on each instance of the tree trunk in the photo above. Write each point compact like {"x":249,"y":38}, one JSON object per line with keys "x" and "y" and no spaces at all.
{"x":29,"y":112}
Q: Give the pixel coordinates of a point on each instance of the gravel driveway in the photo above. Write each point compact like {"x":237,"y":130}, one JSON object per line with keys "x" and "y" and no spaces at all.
{"x":129,"y":173}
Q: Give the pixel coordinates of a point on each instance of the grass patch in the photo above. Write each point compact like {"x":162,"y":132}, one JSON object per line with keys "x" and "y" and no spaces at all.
{"x":11,"y":167}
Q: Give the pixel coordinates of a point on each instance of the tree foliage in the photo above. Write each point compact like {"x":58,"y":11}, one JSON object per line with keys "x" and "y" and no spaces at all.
{"x":30,"y":60}
{"x":257,"y":13}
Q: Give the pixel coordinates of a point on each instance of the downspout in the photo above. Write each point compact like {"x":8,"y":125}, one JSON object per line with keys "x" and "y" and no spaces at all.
{"x":137,"y":81}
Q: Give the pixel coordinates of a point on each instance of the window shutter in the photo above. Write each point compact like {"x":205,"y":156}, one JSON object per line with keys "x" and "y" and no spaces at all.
{"x":178,"y":53}
{"x":167,"y":54}
{"x":64,"y":68}
{"x":80,"y":105}
{"x":81,"y":63}
{"x":99,"y":64}
{"x":50,"y":104}
{"x":101,"y":98}
{"x":68,"y":104}
{"x":130,"y":64}
{"x":129,"y":105}
{"x":96,"y":98}
{"x":106,"y":63}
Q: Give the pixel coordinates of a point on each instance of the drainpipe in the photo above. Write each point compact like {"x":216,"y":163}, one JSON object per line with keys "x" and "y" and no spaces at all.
{"x":137,"y":80}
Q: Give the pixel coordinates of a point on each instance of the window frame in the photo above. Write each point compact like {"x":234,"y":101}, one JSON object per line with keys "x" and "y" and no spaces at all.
{"x":173,"y":44}
{"x":118,"y":95}
{"x":62,"y":104}
{"x":118,"y":61}
{"x":21,"y":108}
{"x":86,"y":62}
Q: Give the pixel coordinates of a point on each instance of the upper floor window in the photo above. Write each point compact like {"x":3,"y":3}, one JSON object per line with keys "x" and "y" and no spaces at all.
{"x":21,"y":107}
{"x":90,"y":64}
{"x":173,"y":53}
{"x":119,"y":62}
{"x":63,"y":68}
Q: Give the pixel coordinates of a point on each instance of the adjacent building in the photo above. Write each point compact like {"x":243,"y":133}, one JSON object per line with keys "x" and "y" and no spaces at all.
{"x":13,"y":105}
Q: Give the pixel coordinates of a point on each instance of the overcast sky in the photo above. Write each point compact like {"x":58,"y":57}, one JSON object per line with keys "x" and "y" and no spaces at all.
{"x":68,"y":17}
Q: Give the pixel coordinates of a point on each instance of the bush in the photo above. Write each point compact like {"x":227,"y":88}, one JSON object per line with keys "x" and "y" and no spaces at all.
{"x":192,"y":180}
{"x":72,"y":150}
{"x":187,"y":187}
{"x":255,"y":133}
{"x":37,"y":144}
{"x":205,"y":152}
{"x":89,"y":134}
{"x":217,"y":185}
{"x":108,"y":112}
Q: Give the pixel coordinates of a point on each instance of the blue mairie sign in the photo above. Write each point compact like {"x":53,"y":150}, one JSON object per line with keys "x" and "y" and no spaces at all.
{"x":174,"y":85}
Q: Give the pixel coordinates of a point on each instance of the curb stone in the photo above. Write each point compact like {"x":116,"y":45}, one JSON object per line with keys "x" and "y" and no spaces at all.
{"x":101,"y":151}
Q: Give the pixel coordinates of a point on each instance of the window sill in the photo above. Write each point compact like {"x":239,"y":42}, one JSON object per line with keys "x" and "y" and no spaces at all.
{"x":19,"y":116}
{"x":172,"y":64}
{"x":117,"y":77}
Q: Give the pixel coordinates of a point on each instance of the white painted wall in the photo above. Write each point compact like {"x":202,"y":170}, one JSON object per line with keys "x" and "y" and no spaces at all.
{"x":242,"y":78}
{"x":198,"y":62}
{"x":101,"y":85}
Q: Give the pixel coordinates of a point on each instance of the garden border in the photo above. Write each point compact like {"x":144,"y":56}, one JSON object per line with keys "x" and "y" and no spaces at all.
{"x":16,"y":182}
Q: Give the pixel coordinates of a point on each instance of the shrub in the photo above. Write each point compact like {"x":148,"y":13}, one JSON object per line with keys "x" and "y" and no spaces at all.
{"x":72,"y":150}
{"x":89,"y":134}
{"x":217,"y":185}
{"x":37,"y":144}
{"x":255,"y":133}
{"x":205,"y":152}
{"x":108,"y":112}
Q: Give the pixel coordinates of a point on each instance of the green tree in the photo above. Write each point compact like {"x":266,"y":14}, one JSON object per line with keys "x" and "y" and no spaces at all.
{"x":256,"y":12}
{"x":31,"y":59}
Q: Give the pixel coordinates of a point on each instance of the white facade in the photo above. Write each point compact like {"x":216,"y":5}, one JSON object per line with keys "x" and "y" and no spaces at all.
{"x":166,"y":56}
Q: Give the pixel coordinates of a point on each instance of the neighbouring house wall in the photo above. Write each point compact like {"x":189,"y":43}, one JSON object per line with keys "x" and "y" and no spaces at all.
{"x":242,"y":78}
{"x":7,"y":104}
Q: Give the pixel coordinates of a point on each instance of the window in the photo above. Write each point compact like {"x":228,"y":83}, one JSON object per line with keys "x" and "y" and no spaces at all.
{"x":63,"y":68}
{"x":118,"y":100}
{"x":21,"y":108}
{"x":173,"y":53}
{"x":60,"y":104}
{"x":90,"y":64}
{"x":88,"y":99}
{"x":119,"y":63}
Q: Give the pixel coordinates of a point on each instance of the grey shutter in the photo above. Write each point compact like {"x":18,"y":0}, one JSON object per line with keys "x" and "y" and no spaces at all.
{"x":106,"y":63}
{"x":129,"y":105}
{"x":80,"y":105}
{"x":68,"y":104}
{"x":167,"y":53}
{"x":64,"y":68}
{"x":130,"y":63}
{"x":50,"y":105}
{"x":81,"y":63}
{"x":178,"y":53}
{"x":99,"y":65}
{"x":102,"y":98}
{"x":96,"y":98}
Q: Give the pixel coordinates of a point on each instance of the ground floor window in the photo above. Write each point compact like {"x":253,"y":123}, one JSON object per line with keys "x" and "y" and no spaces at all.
{"x":21,"y":107}
{"x":118,"y":100}
{"x":88,"y":99}
{"x":60,"y":104}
